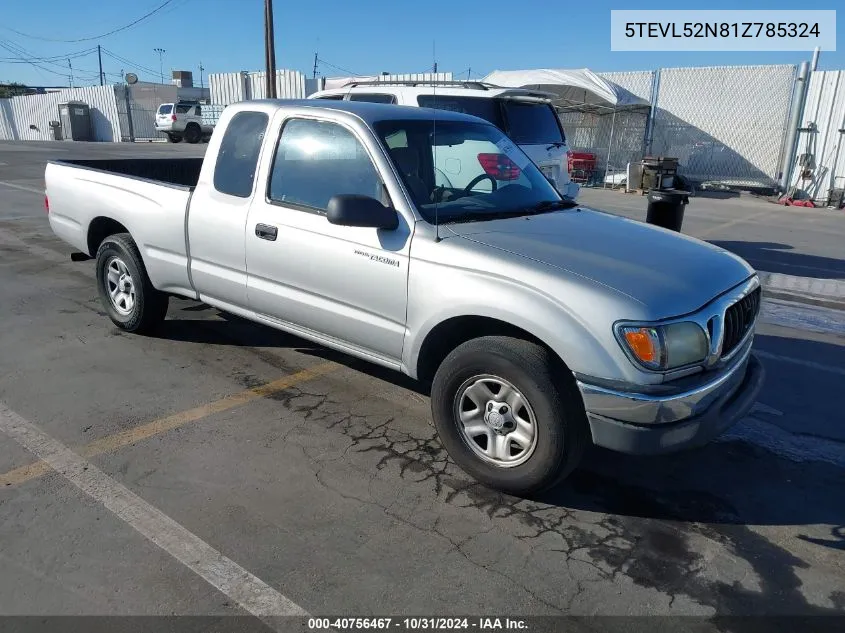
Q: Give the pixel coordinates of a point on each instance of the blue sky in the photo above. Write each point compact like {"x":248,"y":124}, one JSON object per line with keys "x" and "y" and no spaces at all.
{"x":362,"y":37}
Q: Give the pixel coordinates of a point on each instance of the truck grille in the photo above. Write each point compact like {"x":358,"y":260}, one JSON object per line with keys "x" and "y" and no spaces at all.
{"x":739,"y":319}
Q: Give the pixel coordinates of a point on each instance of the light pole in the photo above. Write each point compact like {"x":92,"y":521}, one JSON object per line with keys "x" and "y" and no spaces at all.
{"x":160,"y":52}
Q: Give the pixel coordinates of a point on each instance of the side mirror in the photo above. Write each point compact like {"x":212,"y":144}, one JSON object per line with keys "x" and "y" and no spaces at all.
{"x":357,"y":210}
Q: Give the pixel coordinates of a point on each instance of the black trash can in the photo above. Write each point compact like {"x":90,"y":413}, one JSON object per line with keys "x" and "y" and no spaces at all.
{"x":666,"y":208}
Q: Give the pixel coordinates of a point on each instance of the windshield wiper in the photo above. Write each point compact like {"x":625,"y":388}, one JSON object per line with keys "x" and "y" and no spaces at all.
{"x":541,"y":207}
{"x":553,"y":205}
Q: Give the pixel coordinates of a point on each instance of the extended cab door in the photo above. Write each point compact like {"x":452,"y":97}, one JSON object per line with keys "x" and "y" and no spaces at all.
{"x":346,"y":285}
{"x":217,"y":217}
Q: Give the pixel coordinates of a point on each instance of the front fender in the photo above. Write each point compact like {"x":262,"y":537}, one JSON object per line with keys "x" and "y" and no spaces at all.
{"x":582,"y":337}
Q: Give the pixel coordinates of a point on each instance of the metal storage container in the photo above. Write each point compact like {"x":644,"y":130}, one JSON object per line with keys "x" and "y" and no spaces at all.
{"x":75,"y":117}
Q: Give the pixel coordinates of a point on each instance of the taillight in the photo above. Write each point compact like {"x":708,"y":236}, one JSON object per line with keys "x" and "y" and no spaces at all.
{"x":47,"y":203}
{"x":569,"y":161}
{"x":499,"y":166}
{"x":173,"y":117}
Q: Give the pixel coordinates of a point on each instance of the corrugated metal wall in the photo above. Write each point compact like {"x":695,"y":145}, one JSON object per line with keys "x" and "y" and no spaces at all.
{"x":825,"y":110}
{"x":229,"y":88}
{"x":28,"y":118}
{"x":290,"y":84}
{"x":724,"y":123}
{"x":339,"y":82}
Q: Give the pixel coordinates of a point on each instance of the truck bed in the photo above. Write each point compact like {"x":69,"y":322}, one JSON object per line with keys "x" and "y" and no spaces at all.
{"x":177,"y":172}
{"x":148,"y":197}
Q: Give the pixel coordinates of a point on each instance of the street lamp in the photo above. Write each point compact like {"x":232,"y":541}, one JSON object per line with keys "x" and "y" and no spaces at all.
{"x":160,"y":52}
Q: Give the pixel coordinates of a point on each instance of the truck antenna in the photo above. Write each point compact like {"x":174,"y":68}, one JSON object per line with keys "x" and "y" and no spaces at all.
{"x":434,"y":140}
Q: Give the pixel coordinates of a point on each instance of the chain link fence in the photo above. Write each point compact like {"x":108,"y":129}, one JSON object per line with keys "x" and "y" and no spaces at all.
{"x":724,"y":124}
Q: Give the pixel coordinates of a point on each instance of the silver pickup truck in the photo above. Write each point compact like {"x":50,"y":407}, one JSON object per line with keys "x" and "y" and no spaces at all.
{"x":539,"y":325}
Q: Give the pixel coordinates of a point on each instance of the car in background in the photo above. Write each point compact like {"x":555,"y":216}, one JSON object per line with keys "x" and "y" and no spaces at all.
{"x":183,"y":120}
{"x":527,"y":117}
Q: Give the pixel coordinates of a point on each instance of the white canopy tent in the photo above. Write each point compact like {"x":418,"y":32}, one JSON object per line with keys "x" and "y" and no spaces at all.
{"x":574,"y":87}
{"x":589,"y":104}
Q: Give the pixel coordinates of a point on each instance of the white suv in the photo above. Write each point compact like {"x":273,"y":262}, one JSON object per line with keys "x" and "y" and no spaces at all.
{"x":526,"y":116}
{"x":182,"y":120}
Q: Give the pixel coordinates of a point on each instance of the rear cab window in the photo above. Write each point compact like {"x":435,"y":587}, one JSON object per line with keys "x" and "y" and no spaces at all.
{"x":487,"y":109}
{"x":531,"y":123}
{"x":237,"y":159}
{"x":372,"y":97}
{"x":525,"y":122}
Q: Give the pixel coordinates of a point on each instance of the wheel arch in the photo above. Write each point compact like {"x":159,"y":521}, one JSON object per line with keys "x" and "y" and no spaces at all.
{"x":99,"y":229}
{"x":453,"y":331}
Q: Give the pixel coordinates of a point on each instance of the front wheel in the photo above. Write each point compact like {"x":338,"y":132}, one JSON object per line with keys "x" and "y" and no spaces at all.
{"x":127,"y":294}
{"x":509,"y":414}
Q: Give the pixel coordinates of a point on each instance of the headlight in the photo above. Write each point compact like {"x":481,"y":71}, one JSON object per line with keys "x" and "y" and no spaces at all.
{"x":665,"y":347}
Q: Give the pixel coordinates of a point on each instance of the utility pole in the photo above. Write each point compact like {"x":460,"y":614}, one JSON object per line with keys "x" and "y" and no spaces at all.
{"x":314,"y":76}
{"x":270,"y":48}
{"x":201,"y":69}
{"x":100,"y":59}
{"x":71,"y":72}
{"x":160,"y":52}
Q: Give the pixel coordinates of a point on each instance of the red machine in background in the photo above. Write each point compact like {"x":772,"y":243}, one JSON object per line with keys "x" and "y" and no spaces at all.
{"x":581,"y":166}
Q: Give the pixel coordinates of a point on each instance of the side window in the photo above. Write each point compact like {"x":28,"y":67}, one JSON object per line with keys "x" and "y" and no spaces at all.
{"x":198,"y":111}
{"x":182,"y":109}
{"x":332,"y":97}
{"x":237,"y":159}
{"x":316,"y":160}
{"x":372,"y":98}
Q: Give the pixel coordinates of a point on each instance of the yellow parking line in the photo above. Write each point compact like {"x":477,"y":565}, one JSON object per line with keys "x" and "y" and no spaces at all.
{"x":162,"y":425}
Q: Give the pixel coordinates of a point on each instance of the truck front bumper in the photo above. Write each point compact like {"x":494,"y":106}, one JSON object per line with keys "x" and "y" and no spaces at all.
{"x":646,"y":424}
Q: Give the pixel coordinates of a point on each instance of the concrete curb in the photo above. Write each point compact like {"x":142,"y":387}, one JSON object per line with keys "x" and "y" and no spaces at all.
{"x":828,"y":293}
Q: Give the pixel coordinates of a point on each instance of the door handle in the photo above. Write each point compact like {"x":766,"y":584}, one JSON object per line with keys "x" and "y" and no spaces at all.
{"x":266,"y":232}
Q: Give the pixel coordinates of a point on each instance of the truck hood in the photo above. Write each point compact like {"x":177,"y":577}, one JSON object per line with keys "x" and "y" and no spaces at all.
{"x":669,"y":273}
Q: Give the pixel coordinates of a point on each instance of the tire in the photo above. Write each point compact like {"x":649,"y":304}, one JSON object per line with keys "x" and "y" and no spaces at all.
{"x":554,"y":409}
{"x":138,"y":307}
{"x":173,"y":138}
{"x":193,"y":133}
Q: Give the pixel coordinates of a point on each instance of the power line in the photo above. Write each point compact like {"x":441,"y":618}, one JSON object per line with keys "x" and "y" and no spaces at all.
{"x":123,"y":60}
{"x":343,"y":70}
{"x":51,"y":58}
{"x":95,"y":37}
{"x":38,"y":68}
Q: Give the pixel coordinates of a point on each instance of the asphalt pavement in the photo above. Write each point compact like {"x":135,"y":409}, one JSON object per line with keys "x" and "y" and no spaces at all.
{"x":220,"y":467}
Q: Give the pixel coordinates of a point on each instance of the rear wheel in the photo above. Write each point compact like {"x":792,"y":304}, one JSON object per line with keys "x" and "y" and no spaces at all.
{"x":193,"y":133}
{"x":127,"y":294}
{"x":509,"y":414}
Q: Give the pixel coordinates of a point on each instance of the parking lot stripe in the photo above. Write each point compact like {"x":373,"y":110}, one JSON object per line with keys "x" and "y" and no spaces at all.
{"x":249,"y":591}
{"x":809,"y":364}
{"x":162,"y":425}
{"x":22,"y":187}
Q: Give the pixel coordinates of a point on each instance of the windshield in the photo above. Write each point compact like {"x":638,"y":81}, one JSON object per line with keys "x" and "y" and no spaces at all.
{"x":471,"y":172}
{"x":531,"y":123}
